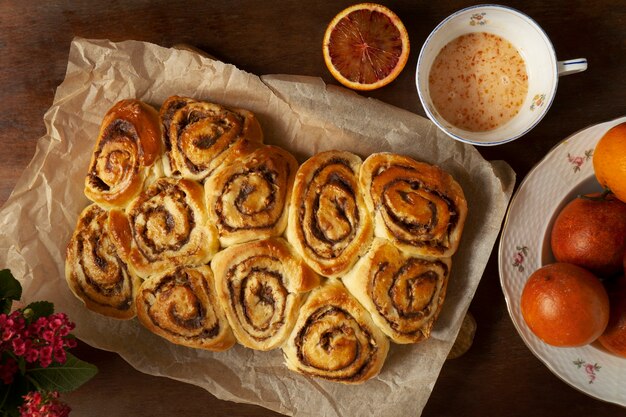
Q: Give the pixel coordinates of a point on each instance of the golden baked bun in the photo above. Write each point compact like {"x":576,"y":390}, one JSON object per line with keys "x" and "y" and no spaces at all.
{"x":181,"y":306}
{"x":419,"y":207}
{"x":200,"y":136}
{"x":247,"y":200}
{"x":164,"y":227}
{"x":329,"y":223}
{"x":94,"y":269}
{"x":404,"y":294}
{"x":335,"y":338}
{"x":261,"y":285}
{"x":126,"y":154}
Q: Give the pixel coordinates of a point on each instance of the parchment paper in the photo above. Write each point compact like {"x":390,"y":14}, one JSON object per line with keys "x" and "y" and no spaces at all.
{"x":301,"y":114}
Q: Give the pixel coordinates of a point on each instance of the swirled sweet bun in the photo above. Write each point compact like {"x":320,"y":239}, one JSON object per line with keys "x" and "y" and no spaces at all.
{"x":335,"y":338}
{"x":127,"y":153}
{"x":200,"y":136}
{"x":181,"y":306}
{"x":329,"y":223}
{"x":95,"y":271}
{"x":247,"y":200}
{"x":419,"y":207}
{"x":404,"y":294}
{"x":164,"y":227}
{"x":261,"y":285}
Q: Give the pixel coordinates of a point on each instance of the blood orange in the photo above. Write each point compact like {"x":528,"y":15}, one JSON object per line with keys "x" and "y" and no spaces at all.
{"x":565,"y":305}
{"x":609,"y":160}
{"x":366,"y":46}
{"x":614,"y":336}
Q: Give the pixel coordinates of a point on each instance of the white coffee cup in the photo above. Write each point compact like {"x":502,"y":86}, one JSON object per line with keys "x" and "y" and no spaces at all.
{"x":534,"y":46}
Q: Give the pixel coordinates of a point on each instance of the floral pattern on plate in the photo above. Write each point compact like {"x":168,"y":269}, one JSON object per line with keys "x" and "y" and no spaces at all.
{"x":537,"y":101}
{"x":578,"y":161}
{"x":565,"y":171}
{"x":590,"y":369}
{"x":478,"y":19}
{"x":520,"y":257}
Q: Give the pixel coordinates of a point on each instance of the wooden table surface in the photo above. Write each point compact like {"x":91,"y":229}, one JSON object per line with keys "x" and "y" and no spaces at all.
{"x":499,"y":375}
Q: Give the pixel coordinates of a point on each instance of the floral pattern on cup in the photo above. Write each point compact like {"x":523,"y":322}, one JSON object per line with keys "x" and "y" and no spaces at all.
{"x":520,"y":257}
{"x":590,"y":369}
{"x":538,"y":101}
{"x":478,"y":19}
{"x":578,"y":161}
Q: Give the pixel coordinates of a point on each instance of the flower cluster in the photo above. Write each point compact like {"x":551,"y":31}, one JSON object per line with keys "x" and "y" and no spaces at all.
{"x":35,"y":362}
{"x":43,"y":340}
{"x":47,"y":405}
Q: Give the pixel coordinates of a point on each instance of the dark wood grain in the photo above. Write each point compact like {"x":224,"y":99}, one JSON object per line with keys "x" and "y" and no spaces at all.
{"x":499,"y":375}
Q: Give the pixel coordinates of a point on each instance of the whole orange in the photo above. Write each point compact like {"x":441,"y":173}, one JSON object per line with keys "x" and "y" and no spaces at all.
{"x":591,"y":232}
{"x":614,"y":336}
{"x":565,"y":305}
{"x":609,"y":160}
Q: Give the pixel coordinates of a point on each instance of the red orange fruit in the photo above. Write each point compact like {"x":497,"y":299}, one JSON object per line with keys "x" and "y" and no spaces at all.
{"x":366,"y":46}
{"x":609,"y":160}
{"x":565,"y":305}
{"x":614,"y":336}
{"x":591,"y":233}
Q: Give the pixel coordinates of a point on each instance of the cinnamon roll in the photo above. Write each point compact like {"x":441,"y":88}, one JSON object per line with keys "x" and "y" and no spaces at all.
{"x":404,"y":294}
{"x":261,"y":285}
{"x":329,"y":224}
{"x":95,"y":271}
{"x":248,"y":199}
{"x":126,"y":154}
{"x":335,"y":338}
{"x":417,"y":206}
{"x":200,"y":136}
{"x":164,"y":227}
{"x":181,"y":305}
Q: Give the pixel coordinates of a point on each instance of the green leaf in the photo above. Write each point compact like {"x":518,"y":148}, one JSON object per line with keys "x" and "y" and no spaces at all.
{"x":5,"y":306}
{"x":63,"y":378}
{"x":10,"y":289}
{"x":38,"y":309}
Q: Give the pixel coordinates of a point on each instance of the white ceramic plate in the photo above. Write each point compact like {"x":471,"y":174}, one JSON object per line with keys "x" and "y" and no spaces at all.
{"x":566,"y":171}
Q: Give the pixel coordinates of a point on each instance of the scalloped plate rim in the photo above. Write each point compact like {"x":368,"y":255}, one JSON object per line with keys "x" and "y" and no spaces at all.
{"x":546,"y":359}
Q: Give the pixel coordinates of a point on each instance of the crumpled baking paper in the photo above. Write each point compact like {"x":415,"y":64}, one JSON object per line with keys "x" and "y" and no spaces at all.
{"x":301,"y":114}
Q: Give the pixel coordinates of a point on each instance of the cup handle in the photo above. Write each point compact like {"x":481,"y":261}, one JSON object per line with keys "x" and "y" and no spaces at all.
{"x":572,"y":66}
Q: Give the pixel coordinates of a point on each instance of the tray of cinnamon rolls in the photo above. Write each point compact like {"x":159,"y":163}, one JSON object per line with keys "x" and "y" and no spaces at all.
{"x":210,"y":237}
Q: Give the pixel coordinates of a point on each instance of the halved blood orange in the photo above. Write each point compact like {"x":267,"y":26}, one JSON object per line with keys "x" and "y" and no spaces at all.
{"x":366,"y":46}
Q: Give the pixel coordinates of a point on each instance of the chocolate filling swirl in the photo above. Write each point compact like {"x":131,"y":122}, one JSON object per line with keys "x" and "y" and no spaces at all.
{"x":249,"y":200}
{"x":329,"y":216}
{"x":117,"y":158}
{"x":200,"y":132}
{"x":181,"y":304}
{"x":333,"y":345}
{"x":408,"y":296}
{"x":163,"y":221}
{"x":98,"y":275}
{"x":412,"y":211}
{"x":258,"y":296}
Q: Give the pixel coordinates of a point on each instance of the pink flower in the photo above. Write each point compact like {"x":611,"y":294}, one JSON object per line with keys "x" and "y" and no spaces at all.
{"x":46,"y":405}
{"x":45,"y":356}
{"x":48,"y":336}
{"x":45,"y":339}
{"x":12,"y":325}
{"x":519,"y":258}
{"x":59,"y":355}
{"x":32,"y":354}
{"x":591,"y":371}
{"x":576,"y":160}
{"x":19,"y":345}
